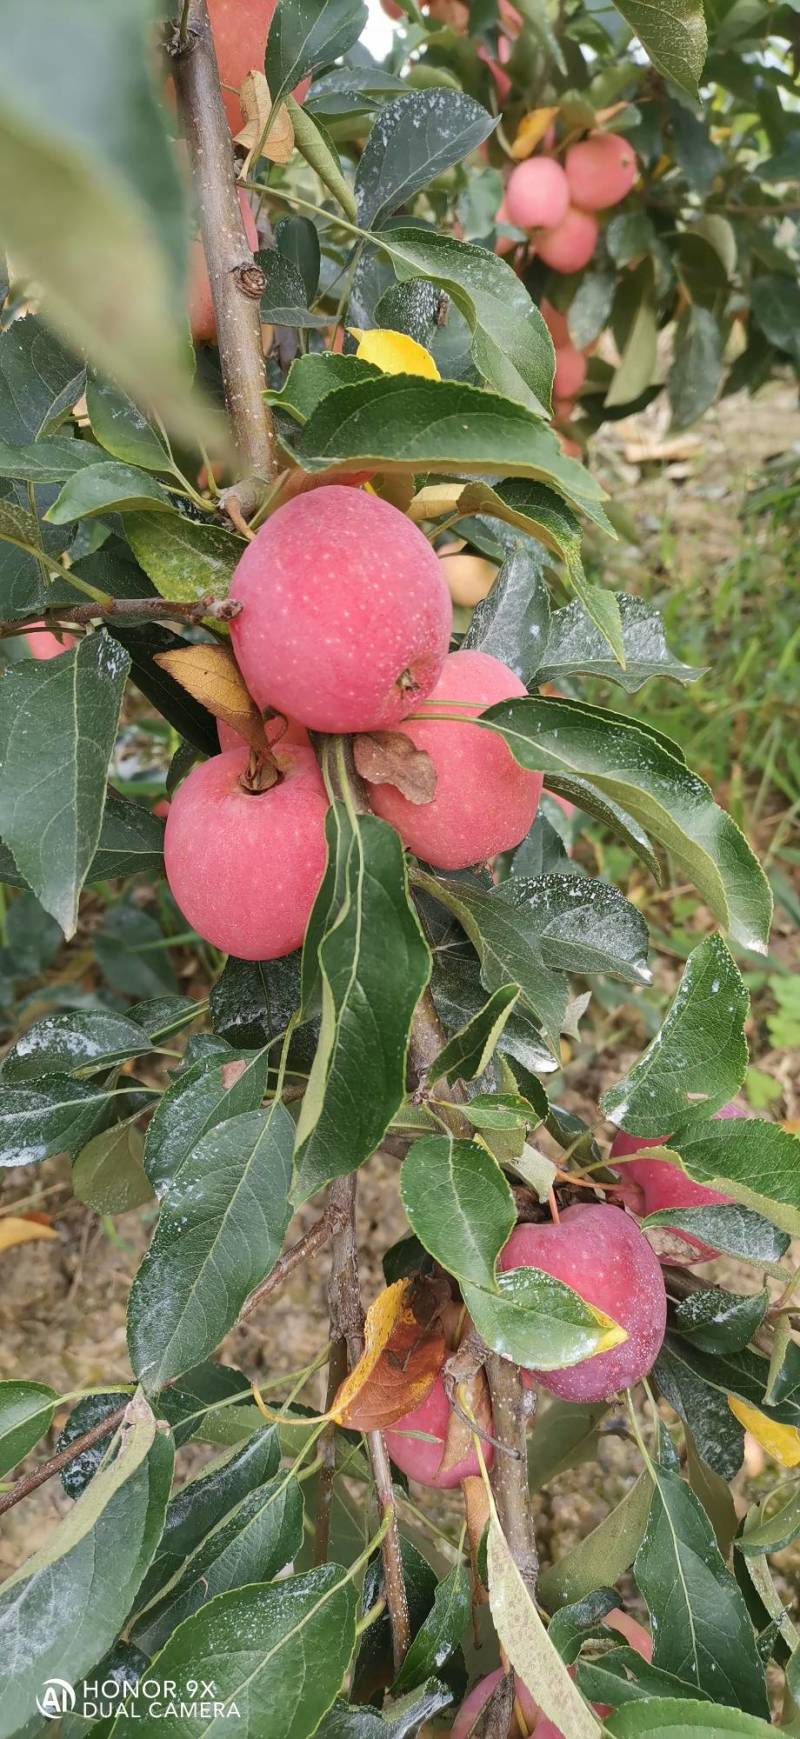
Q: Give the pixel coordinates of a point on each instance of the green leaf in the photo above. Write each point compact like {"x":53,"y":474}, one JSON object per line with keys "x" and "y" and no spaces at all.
{"x":439,"y":1634}
{"x":254,"y":1000}
{"x":205,"y":1094}
{"x":583,"y":926}
{"x":283,"y":298}
{"x":769,"y":1529}
{"x":401,"y":423}
{"x":40,"y":381}
{"x":107,"y":488}
{"x":374,"y":964}
{"x":279,"y":1653}
{"x":501,"y":1111}
{"x":675,"y":41}
{"x":700,"y":1050}
{"x":775,"y":302}
{"x":79,"y":1042}
{"x":58,"y":721}
{"x":693,"y":148}
{"x":592,"y":802}
{"x":121,"y":428}
{"x":701,"y":1628}
{"x":297,"y":240}
{"x":131,"y":843}
{"x":306,"y":35}
{"x":219,"y":1233}
{"x":703,"y":1408}
{"x":184,"y":560}
{"x":636,"y":331}
{"x":511,"y":346}
{"x":108,"y":1173}
{"x":459,"y":1204}
{"x":573,"y":646}
{"x":719,"y":1321}
{"x":130,"y":950}
{"x":470,"y":1050}
{"x":566,"y":1434}
{"x":538,"y":1321}
{"x":671,"y":1718}
{"x":635,"y":770}
{"x":542,"y":514}
{"x":512,"y":622}
{"x":63,"y":1609}
{"x":527,"y":1645}
{"x":37,"y":1122}
{"x":83,"y":133}
{"x":144,"y":642}
{"x":603,"y":1555}
{"x":411,"y":141}
{"x":47,"y":461}
{"x":312,"y":377}
{"x":199,"y":1506}
{"x":755,"y":1162}
{"x":314,"y":142}
{"x":26,"y":1412}
{"x":696,"y":373}
{"x":251,"y":1544}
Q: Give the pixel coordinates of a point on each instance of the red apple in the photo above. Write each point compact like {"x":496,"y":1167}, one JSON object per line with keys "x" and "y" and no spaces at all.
{"x":42,"y":644}
{"x":538,"y":1724}
{"x":569,"y":246}
{"x":648,"y":1185}
{"x":537,"y":194}
{"x":600,"y":171}
{"x":419,"y":1456}
{"x":570,"y":371}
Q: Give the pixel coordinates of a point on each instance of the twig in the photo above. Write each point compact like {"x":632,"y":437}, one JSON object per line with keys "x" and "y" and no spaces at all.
{"x":31,"y":1481}
{"x":311,"y":1242}
{"x":510,"y":1413}
{"x":140,"y":609}
{"x":236,"y":281}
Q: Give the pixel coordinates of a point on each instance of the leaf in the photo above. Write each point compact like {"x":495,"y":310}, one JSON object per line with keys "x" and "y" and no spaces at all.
{"x":700,"y":1049}
{"x":636,"y":319}
{"x":251,"y":1544}
{"x":538,"y":1321}
{"x":590,"y":309}
{"x":635,"y":770}
{"x":574,"y":646}
{"x":58,"y":722}
{"x":767,"y":1533}
{"x":402,"y":1357}
{"x":696,"y":373}
{"x":283,"y":298}
{"x":394,"y":353}
{"x":59,"y":1118}
{"x":527,"y":1645}
{"x":390,"y":758}
{"x":755,"y":1162}
{"x":530,"y":132}
{"x":62,"y":1610}
{"x":511,"y":346}
{"x":109,"y":273}
{"x":306,"y":35}
{"x":513,"y":622}
{"x":702,"y":1407}
{"x":108,"y":1174}
{"x":278,"y":1652}
{"x":131,"y":841}
{"x":693,"y":148}
{"x":583,"y":926}
{"x":470,"y":1050}
{"x":81,"y":1041}
{"x":782,"y":1442}
{"x":675,"y":41}
{"x":775,"y":303}
{"x":701,"y":1628}
{"x":459,"y":1204}
{"x":184,"y":560}
{"x":40,"y":381}
{"x":718,"y":1321}
{"x":26,"y":1413}
{"x":274,"y":139}
{"x":411,"y":141}
{"x":439,"y":1634}
{"x":211,"y":676}
{"x":47,"y":461}
{"x":315,"y":144}
{"x":312,"y":377}
{"x":146,"y":643}
{"x":205,"y":1094}
{"x":374,"y":964}
{"x":121,"y":427}
{"x":542,"y":514}
{"x":15,"y":1229}
{"x":671,"y":1718}
{"x":253,"y":1000}
{"x":603,"y":1555}
{"x":107,"y":488}
{"x":298,"y":241}
{"x":219,"y":1233}
{"x":733,"y":1229}
{"x":200,"y":1504}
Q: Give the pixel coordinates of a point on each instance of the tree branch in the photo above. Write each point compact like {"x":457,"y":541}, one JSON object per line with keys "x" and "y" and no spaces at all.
{"x":510,"y":1413}
{"x":138,"y":609}
{"x":236,"y":281}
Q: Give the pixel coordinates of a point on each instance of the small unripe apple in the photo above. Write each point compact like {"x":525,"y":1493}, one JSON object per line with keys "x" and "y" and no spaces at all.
{"x":601,"y":171}
{"x":537,"y":194}
{"x":539,"y":1726}
{"x":346,"y":617}
{"x":43,"y":645}
{"x":419,"y":1457}
{"x":648,"y":1185}
{"x":201,"y":307}
{"x":277,"y":730}
{"x":245,"y":867}
{"x":484,"y":801}
{"x":570,"y":371}
{"x":599,"y":1251}
{"x":468,"y":577}
{"x":569,"y":247}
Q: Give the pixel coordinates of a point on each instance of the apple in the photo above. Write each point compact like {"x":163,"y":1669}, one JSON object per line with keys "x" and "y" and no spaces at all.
{"x":277,"y":730}
{"x":537,"y":194}
{"x":598,"y":1250}
{"x":570,"y":371}
{"x":648,"y":1185}
{"x":538,"y":1724}
{"x":43,"y":644}
{"x":419,"y":1457}
{"x":484,"y":801}
{"x":346,"y":617}
{"x":468,"y":577}
{"x":569,"y":246}
{"x":601,"y":171}
{"x":201,"y":307}
{"x":240,"y":29}
{"x":245,"y":867}
{"x":556,"y":323}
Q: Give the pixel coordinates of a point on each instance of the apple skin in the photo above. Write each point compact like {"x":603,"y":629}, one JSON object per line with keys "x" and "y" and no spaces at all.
{"x":201,"y":307}
{"x":537,"y":194}
{"x":240,"y":29}
{"x":245,"y":869}
{"x":468,"y":577}
{"x":647,"y":1185}
{"x":601,"y":171}
{"x":420,"y":1459}
{"x":569,"y":247}
{"x":570,"y":371}
{"x":610,"y":1263}
{"x":484,"y":802}
{"x":346,"y":617}
{"x":556,"y":323}
{"x":43,"y":645}
{"x":540,"y":1726}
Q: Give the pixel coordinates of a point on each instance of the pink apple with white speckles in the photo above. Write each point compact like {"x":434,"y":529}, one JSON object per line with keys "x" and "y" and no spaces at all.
{"x":416,"y":1443}
{"x":345,"y":619}
{"x":245,"y":867}
{"x":599,"y":1251}
{"x":647,"y":1186}
{"x":484,"y":801}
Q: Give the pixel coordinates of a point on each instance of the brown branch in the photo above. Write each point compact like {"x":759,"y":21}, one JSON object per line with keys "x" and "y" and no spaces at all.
{"x":236,"y":281}
{"x":311,"y":1242}
{"x":138,"y":609}
{"x":510,"y":1412}
{"x":31,"y":1481}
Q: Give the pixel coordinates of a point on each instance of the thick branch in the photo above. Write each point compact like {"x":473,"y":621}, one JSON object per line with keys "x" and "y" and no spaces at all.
{"x":510,"y":1412}
{"x":236,"y":281}
{"x":127,"y":609}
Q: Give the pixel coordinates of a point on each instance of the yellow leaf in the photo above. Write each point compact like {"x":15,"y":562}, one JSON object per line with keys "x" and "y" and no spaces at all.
{"x":531,"y":131}
{"x":257,"y":107}
{"x":400,"y":1362}
{"x":211,"y":675}
{"x":395,"y":353}
{"x":16,"y":1230}
{"x":782,"y":1442}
